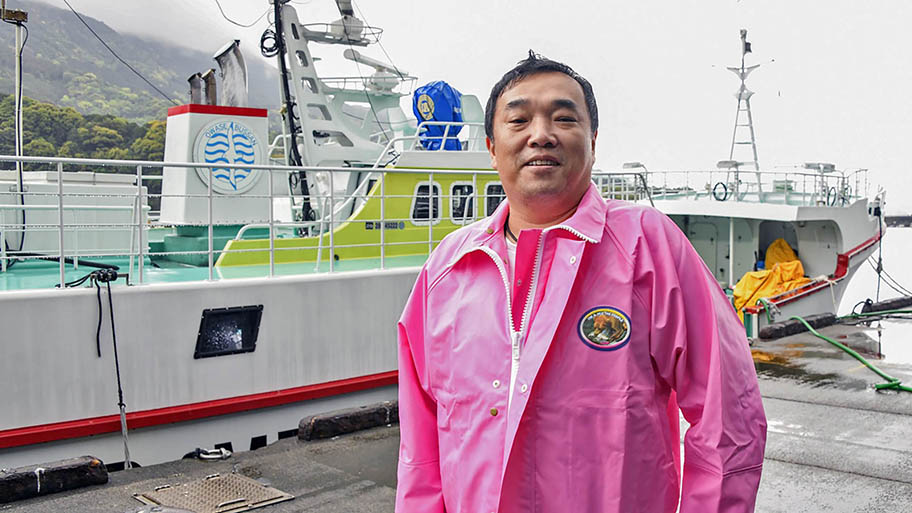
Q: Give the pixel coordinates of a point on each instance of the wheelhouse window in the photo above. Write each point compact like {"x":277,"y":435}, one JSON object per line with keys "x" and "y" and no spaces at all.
{"x":494,"y":194}
{"x":426,"y":204}
{"x":462,"y":203}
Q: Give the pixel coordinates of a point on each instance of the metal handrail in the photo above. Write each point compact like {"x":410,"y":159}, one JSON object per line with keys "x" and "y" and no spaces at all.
{"x":626,"y":185}
{"x":138,"y":228}
{"x":416,"y":137}
{"x":809,"y":188}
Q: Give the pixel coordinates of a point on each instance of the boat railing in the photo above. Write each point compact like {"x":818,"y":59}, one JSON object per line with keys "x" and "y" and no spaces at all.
{"x":131,"y":205}
{"x":74,"y":217}
{"x":627,"y":186}
{"x":337,"y":33}
{"x":405,"y":85}
{"x":797,"y":188}
{"x":472,"y":139}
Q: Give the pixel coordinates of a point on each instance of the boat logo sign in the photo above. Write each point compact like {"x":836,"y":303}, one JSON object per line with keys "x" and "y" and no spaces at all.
{"x":426,"y":107}
{"x":228,"y":141}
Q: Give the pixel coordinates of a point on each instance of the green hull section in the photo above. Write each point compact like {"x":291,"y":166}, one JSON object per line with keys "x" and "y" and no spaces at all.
{"x":359,"y":237}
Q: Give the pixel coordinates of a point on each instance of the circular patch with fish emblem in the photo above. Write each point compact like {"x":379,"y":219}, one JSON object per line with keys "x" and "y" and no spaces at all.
{"x":605,"y":328}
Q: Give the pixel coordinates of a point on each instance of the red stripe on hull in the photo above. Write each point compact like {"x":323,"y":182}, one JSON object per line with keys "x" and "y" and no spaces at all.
{"x":111,"y":423}
{"x":220,"y":110}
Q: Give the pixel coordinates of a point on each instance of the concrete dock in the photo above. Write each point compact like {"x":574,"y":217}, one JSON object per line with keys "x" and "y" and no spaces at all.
{"x":834,"y":445}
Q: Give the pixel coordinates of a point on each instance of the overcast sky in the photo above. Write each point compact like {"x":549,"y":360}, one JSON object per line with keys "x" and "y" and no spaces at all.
{"x":838,"y":90}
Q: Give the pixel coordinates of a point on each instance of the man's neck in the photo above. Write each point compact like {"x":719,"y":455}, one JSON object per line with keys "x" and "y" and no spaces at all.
{"x":521,"y":219}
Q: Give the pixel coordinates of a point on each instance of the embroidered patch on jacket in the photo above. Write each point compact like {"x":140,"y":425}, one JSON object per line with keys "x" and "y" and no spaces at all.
{"x":605,"y":328}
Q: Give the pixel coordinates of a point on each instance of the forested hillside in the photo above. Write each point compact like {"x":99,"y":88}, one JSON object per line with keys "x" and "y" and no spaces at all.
{"x":52,"y":131}
{"x":65,"y":65}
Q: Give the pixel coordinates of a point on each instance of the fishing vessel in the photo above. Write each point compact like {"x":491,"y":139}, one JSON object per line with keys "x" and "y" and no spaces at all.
{"x":268,"y":284}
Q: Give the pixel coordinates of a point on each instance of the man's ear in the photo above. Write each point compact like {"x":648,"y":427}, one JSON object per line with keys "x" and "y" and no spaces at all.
{"x":490,"y":145}
{"x":594,"y":135}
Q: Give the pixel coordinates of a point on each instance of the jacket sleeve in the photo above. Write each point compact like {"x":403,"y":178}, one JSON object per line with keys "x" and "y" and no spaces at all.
{"x":700,"y":349}
{"x":419,"y":484}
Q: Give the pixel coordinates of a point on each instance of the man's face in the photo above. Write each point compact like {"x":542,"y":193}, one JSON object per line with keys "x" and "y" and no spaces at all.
{"x":543,"y":144}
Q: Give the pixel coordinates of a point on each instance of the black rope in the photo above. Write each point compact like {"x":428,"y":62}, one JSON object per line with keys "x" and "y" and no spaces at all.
{"x":254,"y":22}
{"x":100,"y":317}
{"x":390,"y":59}
{"x":68,"y":260}
{"x":120,"y":399}
{"x":879,"y":252}
{"x":891,"y":282}
{"x":125,"y":63}
{"x":882,"y":274}
{"x":106,"y":276}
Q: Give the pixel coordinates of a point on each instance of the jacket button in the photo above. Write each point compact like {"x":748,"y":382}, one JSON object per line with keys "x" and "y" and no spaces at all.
{"x":523,"y":388}
{"x":572,"y":259}
{"x":490,"y":230}
{"x":496,"y":383}
{"x":493,"y":412}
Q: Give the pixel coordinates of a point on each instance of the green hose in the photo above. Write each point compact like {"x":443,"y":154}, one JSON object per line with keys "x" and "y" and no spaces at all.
{"x":892,"y":384}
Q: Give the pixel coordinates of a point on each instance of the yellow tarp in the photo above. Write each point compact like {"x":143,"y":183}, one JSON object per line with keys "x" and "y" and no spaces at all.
{"x":779,"y":251}
{"x":783,"y":277}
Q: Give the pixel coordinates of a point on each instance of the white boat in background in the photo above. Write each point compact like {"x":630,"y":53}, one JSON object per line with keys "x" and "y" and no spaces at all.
{"x":832,"y":233}
{"x":733,"y":214}
{"x":264,"y":292}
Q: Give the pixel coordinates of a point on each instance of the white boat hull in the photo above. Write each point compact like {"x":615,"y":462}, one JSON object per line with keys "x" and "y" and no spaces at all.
{"x":320,"y":335}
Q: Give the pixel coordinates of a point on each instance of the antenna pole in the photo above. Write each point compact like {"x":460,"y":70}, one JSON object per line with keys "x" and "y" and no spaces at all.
{"x":17,"y":91}
{"x":744,"y":95}
{"x":17,"y":17}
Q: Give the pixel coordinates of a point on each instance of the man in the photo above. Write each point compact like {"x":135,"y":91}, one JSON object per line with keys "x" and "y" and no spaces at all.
{"x":539,"y":372}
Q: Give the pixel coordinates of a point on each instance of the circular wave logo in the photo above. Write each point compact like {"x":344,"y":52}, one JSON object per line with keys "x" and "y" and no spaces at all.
{"x":228,"y":142}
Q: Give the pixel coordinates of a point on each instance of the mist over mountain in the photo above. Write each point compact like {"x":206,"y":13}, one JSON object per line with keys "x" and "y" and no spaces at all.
{"x":63,"y":63}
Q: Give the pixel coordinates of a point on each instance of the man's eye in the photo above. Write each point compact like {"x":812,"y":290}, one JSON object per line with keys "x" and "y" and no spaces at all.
{"x":516,"y":121}
{"x":566,"y":119}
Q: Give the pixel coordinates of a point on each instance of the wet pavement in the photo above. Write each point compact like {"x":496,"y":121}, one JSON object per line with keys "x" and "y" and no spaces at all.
{"x":353,"y":473}
{"x":834,"y":444}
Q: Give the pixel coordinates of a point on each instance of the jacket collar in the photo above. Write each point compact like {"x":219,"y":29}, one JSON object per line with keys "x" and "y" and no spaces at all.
{"x":587,"y":223}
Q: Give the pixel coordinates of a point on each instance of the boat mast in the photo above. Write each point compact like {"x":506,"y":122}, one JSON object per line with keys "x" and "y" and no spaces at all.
{"x":296,"y":180}
{"x":744,"y":94}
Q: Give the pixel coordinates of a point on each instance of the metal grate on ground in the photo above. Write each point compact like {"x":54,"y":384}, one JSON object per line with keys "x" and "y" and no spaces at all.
{"x":215,"y":494}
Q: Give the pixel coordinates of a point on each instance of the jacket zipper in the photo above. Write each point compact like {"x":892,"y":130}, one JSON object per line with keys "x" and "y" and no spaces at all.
{"x":527,"y":310}
{"x":516,"y":337}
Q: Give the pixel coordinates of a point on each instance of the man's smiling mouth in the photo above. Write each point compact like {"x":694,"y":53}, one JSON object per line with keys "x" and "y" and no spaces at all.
{"x":542,"y":162}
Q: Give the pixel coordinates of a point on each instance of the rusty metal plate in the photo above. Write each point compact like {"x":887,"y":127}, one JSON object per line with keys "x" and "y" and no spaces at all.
{"x":215,"y":493}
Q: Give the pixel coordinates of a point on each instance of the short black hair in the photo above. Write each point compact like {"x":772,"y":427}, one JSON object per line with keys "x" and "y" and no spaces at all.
{"x":531,"y":65}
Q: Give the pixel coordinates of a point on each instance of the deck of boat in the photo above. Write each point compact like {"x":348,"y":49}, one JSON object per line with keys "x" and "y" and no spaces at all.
{"x":42,"y":274}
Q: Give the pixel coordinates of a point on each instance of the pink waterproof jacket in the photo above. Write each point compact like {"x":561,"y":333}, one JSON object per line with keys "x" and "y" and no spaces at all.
{"x":554,"y":390}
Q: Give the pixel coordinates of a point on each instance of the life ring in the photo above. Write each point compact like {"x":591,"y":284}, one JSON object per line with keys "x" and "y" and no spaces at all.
{"x":724,"y":195}
{"x":831,"y":196}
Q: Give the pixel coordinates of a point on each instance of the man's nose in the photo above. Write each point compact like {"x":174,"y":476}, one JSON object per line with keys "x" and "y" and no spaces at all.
{"x":542,"y":134}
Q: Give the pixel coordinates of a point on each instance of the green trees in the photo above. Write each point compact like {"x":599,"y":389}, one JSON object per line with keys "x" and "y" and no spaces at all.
{"x":52,"y":131}
{"x":151,"y":146}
